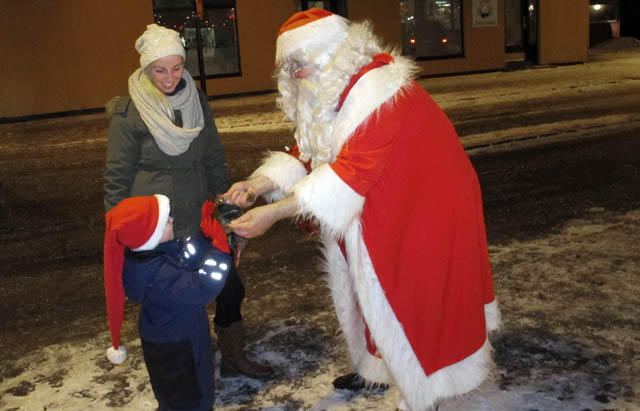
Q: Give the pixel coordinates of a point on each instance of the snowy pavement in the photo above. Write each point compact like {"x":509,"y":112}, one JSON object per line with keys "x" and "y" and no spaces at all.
{"x":558,"y":368}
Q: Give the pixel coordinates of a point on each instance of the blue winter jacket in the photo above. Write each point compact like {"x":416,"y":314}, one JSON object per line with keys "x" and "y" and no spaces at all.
{"x":174,"y":282}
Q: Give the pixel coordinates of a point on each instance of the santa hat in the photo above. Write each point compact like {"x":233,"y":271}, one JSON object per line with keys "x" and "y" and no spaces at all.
{"x":309,"y":28}
{"x":157,"y":42}
{"x":137,"y":223}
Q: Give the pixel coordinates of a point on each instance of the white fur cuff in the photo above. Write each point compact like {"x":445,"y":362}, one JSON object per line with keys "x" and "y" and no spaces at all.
{"x":374,"y":370}
{"x":492,"y":316}
{"x":283,"y":170}
{"x":323,"y":195}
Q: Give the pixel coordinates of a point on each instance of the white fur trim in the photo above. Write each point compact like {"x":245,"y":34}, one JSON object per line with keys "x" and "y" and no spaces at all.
{"x":419,"y":390}
{"x":345,"y":301}
{"x":372,"y":90}
{"x":117,"y":356}
{"x":492,"y":316}
{"x":283,"y":170}
{"x":163,"y":217}
{"x":321,"y":32}
{"x":324,"y":196}
{"x":374,"y":369}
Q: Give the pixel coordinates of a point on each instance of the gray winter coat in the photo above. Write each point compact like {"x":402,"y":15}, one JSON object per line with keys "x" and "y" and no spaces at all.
{"x":136,"y":166}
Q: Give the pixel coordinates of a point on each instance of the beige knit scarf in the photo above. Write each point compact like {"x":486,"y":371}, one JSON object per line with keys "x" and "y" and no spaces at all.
{"x":171,"y":139}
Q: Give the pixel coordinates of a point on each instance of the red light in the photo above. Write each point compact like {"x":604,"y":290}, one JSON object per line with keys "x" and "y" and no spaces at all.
{"x":412,"y":41}
{"x":444,"y":40}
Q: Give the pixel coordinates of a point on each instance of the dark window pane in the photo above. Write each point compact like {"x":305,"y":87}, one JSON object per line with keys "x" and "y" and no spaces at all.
{"x":221,"y":41}
{"x":513,"y":23}
{"x":431,"y":28}
{"x":603,"y":13}
{"x":159,"y":5}
{"x":218,"y":34}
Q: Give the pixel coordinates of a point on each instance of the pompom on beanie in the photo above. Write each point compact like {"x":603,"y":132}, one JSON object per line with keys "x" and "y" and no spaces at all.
{"x":137,"y":223}
{"x":157,"y":42}
{"x":309,"y":28}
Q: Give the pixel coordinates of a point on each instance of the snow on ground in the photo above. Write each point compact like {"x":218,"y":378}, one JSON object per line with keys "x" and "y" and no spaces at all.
{"x":544,"y":361}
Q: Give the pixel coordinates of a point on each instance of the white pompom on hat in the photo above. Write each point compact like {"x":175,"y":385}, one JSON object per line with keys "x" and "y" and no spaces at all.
{"x":309,"y":28}
{"x":157,"y":42}
{"x":137,"y":223}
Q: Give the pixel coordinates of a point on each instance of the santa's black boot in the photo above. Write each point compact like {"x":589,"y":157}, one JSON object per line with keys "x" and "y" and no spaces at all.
{"x":355,"y":382}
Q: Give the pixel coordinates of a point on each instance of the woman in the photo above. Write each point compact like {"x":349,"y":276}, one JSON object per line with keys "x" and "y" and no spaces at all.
{"x":163,"y":140}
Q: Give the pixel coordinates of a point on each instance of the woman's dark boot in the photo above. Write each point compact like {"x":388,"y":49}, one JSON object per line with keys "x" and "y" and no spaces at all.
{"x":234,"y":361}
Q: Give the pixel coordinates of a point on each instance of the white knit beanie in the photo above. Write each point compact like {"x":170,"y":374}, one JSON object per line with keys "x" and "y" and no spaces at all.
{"x":157,"y":42}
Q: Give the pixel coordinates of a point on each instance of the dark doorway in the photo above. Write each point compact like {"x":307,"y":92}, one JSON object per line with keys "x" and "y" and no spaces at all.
{"x":334,"y":6}
{"x":630,"y":18}
{"x":521,"y":29}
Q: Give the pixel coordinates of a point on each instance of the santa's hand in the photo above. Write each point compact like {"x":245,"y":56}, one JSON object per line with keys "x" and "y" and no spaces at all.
{"x":254,"y":222}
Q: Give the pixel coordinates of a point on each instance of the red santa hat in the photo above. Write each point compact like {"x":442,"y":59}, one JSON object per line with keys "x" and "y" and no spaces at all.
{"x":137,"y":223}
{"x":309,"y":28}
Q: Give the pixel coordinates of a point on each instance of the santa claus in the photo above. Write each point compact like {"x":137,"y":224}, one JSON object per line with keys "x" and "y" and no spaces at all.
{"x":380,"y":169}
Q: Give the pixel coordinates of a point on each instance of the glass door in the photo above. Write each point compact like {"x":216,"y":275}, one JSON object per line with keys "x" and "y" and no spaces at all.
{"x":521,"y":28}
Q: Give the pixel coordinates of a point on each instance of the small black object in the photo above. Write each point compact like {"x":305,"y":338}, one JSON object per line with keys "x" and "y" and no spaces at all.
{"x":355,"y":382}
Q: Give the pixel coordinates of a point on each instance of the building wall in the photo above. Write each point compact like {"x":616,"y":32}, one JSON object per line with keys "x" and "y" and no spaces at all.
{"x":384,"y":15}
{"x":71,"y":55}
{"x":563,"y":31}
{"x":65,"y":55}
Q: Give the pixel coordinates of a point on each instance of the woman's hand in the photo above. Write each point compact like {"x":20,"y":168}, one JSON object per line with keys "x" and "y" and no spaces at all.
{"x":245,"y":193}
{"x":241,"y":194}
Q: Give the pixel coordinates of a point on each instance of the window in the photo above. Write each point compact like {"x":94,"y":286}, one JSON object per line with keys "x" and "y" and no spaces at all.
{"x":334,"y":6}
{"x":603,"y":13}
{"x":218,"y":54}
{"x":431,"y":28}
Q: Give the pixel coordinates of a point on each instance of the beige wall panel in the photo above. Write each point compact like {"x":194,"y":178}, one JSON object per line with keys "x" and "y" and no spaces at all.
{"x":67,"y":55}
{"x":563,"y":31}
{"x":383,"y":14}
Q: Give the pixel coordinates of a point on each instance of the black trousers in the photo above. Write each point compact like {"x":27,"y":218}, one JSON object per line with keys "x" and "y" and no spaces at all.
{"x":229,"y":301}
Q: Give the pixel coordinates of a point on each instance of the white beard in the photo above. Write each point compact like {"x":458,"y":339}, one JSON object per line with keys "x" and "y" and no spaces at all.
{"x":311,"y":103}
{"x":314,"y":119}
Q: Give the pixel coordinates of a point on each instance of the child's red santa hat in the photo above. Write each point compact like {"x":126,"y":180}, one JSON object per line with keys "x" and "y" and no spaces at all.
{"x":309,"y":28}
{"x":137,"y":223}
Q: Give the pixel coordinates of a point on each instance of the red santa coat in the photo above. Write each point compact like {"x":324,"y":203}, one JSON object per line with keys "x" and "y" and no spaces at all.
{"x":405,"y":199}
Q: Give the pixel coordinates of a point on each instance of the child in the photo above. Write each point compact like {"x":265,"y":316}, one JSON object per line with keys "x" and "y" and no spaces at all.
{"x":173,"y":280}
